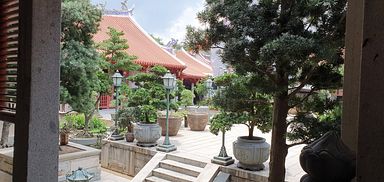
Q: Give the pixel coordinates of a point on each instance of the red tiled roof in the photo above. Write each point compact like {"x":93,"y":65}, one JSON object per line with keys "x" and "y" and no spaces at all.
{"x":147,"y":50}
{"x":196,"y":69}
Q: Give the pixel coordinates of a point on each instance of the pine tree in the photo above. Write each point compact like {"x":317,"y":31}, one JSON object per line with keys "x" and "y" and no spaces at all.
{"x":79,"y":59}
{"x":284,"y":45}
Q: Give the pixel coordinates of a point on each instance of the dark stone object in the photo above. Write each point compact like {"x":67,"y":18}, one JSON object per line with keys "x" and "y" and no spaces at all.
{"x":328,"y":159}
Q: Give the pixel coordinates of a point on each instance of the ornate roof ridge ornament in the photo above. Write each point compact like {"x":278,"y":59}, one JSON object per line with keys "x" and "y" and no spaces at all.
{"x":125,"y":11}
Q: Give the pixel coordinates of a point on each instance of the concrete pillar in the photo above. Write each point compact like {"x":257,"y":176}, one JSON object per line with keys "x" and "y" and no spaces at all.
{"x":365,"y":55}
{"x":36,"y":128}
{"x":370,"y":145}
{"x":351,"y":91}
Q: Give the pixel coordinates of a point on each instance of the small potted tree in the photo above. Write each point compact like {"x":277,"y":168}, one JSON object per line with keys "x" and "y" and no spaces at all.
{"x":186,"y":100}
{"x":148,"y":98}
{"x":222,"y":122}
{"x":246,"y":105}
{"x":197,"y":118}
{"x":127,"y":117}
{"x":175,"y":117}
{"x":64,"y":134}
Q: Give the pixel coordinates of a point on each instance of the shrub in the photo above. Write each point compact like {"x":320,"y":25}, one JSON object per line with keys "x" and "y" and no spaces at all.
{"x":77,"y":122}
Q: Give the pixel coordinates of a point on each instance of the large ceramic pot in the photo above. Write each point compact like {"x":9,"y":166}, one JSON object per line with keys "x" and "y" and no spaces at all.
{"x":197,"y":121}
{"x":251,"y":153}
{"x":147,"y":134}
{"x":174,"y":124}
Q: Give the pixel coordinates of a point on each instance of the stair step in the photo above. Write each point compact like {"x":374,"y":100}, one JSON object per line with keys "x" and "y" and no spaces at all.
{"x":172,"y":175}
{"x":181,"y":167}
{"x":184,"y":160}
{"x":155,"y":179}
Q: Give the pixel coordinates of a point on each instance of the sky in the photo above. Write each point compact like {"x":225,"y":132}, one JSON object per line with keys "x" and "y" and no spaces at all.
{"x":163,"y":18}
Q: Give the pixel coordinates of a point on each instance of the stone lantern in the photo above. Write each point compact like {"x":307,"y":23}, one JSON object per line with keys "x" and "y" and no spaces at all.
{"x":79,"y":175}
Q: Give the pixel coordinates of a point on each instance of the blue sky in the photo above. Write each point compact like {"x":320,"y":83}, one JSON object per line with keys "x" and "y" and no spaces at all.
{"x":163,"y":18}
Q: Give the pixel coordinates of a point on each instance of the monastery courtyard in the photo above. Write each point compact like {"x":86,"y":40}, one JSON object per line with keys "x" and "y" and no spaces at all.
{"x":204,"y":145}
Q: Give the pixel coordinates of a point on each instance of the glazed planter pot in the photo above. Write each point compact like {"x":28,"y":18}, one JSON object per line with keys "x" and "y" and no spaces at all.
{"x":147,"y":134}
{"x":64,"y":138}
{"x":173,"y":126}
{"x":129,"y":137}
{"x":251,"y":153}
{"x":197,"y":121}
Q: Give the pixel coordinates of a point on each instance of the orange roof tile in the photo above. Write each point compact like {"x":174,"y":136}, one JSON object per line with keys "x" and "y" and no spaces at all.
{"x":147,"y":50}
{"x":195,"y":68}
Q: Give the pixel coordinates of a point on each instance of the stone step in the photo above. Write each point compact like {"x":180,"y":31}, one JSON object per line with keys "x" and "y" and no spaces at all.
{"x":188,"y":161}
{"x":155,"y":179}
{"x":172,"y":175}
{"x":181,"y":167}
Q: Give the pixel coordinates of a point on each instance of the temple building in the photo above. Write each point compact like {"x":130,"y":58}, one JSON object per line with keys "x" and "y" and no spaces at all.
{"x":149,"y":53}
{"x":196,"y":69}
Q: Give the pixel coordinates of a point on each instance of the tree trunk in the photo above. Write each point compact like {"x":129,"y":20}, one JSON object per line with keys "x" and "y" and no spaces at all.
{"x":86,"y":122}
{"x":279,"y":148}
{"x":5,"y":134}
{"x":250,"y":131}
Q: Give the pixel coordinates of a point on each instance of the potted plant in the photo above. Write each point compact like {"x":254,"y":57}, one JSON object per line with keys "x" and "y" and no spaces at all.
{"x":84,"y":134}
{"x":127,"y":118}
{"x":197,"y":118}
{"x":186,"y":99}
{"x":176,"y":117}
{"x":64,"y":134}
{"x":148,"y":97}
{"x":222,"y":122}
{"x":174,"y":122}
{"x":246,"y":105}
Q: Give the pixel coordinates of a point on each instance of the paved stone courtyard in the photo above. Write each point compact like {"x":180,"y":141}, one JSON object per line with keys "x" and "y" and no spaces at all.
{"x":111,"y":176}
{"x":205,"y":144}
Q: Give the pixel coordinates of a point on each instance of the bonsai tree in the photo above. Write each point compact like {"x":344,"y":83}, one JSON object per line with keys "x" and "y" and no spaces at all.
{"x":282,"y":46}
{"x":127,"y":117}
{"x":150,"y":95}
{"x":201,"y":91}
{"x":222,"y":122}
{"x":240,"y":102}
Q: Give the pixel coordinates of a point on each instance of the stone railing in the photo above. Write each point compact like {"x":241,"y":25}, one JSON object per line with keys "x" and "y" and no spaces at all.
{"x":123,"y":157}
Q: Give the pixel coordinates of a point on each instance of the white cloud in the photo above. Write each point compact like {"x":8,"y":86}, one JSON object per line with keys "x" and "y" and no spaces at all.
{"x":177,"y":29}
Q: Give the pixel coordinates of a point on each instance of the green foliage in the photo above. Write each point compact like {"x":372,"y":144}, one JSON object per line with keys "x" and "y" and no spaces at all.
{"x":150,"y":95}
{"x":114,"y":57}
{"x":79,"y":60}
{"x":157,"y":39}
{"x":77,"y":121}
{"x":113,"y":52}
{"x":222,"y":122}
{"x":98,"y":126}
{"x":201,"y":88}
{"x":238,"y":99}
{"x":127,"y":117}
{"x":316,"y":116}
{"x":279,"y":47}
{"x":78,"y":78}
{"x":186,"y":98}
{"x":79,"y":21}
